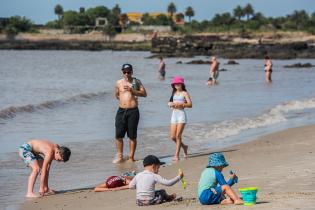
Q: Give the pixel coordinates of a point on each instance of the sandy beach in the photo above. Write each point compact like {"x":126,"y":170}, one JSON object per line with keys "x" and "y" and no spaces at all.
{"x":281,"y":165}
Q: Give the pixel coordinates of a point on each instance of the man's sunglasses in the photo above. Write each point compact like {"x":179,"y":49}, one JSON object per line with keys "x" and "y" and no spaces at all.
{"x":126,"y":72}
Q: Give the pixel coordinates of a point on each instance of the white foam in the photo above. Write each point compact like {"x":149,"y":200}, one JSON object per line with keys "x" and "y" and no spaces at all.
{"x":229,"y":128}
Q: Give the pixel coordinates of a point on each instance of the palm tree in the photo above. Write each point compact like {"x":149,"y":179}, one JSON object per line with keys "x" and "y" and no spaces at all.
{"x":238,"y":12}
{"x":171,"y":9}
{"x":59,"y":11}
{"x":189,"y":13}
{"x":248,"y":10}
{"x":116,"y":10}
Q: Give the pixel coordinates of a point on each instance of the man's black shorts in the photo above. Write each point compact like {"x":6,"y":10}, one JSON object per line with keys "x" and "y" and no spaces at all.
{"x":127,"y":121}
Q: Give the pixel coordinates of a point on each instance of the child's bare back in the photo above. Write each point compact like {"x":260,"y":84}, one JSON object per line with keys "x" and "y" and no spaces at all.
{"x":38,"y":156}
{"x":43,"y":147}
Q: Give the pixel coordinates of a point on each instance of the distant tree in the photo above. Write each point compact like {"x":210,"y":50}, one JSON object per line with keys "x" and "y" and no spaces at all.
{"x":11,"y":32}
{"x":145,"y":18}
{"x":277,"y":23}
{"x":258,"y":16}
{"x":16,"y":24}
{"x":70,"y":18}
{"x":162,"y":20}
{"x":224,"y":19}
{"x":55,"y":24}
{"x":159,"y":20}
{"x":59,"y":11}
{"x":96,"y":12}
{"x":116,"y":10}
{"x":110,"y":30}
{"x":113,"y":20}
{"x":300,"y":18}
{"x":238,"y":12}
{"x":195,"y":26}
{"x":248,"y":10}
{"x":189,"y":13}
{"x":21,"y":24}
{"x":82,"y":10}
{"x":171,"y":8}
{"x":227,"y":18}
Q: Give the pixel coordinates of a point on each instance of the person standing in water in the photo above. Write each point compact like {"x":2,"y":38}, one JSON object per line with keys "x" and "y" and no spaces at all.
{"x":268,"y":69}
{"x":179,"y":100}
{"x":162,"y":71}
{"x":127,"y":91}
{"x":214,"y":71}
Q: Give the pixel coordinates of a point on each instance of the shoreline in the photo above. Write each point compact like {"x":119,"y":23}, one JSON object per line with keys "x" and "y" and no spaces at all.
{"x":230,"y":46}
{"x":279,"y":164}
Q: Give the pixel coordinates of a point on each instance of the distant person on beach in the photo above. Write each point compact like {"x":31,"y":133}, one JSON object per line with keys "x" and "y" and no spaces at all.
{"x":127,"y":91}
{"x":212,"y":187}
{"x":114,"y":183}
{"x":214,"y":71}
{"x":162,"y":71}
{"x":38,"y":155}
{"x":145,"y":183}
{"x":210,"y":81}
{"x":179,"y":100}
{"x":268,"y":69}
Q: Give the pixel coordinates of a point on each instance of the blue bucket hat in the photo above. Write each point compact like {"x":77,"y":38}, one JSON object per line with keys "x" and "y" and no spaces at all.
{"x":217,"y":159}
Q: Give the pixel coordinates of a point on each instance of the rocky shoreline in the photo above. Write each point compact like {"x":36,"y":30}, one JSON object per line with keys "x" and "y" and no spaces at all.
{"x":226,"y":48}
{"x":73,"y":45}
{"x":181,"y":46}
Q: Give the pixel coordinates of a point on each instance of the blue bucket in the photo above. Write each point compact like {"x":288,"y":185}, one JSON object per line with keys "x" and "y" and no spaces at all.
{"x":249,"y":195}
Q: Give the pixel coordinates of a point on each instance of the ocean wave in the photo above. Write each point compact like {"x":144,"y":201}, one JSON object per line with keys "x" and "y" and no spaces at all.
{"x":12,"y":111}
{"x":229,"y":128}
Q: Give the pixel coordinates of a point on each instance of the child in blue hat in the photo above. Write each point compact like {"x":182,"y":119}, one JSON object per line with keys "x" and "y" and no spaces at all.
{"x":212,"y":187}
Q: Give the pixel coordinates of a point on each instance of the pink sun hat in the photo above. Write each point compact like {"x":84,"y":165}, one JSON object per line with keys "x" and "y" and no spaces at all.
{"x":178,"y":80}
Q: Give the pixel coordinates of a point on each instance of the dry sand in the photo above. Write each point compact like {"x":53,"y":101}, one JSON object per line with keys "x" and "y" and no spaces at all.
{"x":281,"y":165}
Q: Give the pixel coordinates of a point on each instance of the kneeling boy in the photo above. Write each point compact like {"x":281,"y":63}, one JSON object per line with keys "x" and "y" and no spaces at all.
{"x":145,"y":182}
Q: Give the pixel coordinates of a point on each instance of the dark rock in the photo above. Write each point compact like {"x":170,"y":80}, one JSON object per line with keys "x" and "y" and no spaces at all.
{"x":299,"y":65}
{"x":224,"y":47}
{"x":232,"y":62}
{"x":179,"y":62}
{"x":222,"y":69}
{"x":199,"y":62}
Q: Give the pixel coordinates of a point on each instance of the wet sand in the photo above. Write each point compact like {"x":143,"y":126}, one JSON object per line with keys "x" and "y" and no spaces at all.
{"x":281,"y":165}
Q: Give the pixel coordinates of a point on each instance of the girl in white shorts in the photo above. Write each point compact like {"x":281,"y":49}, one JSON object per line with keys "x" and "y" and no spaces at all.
{"x":179,"y":100}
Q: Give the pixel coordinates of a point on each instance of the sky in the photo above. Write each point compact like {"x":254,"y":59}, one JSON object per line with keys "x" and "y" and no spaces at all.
{"x":42,"y":11}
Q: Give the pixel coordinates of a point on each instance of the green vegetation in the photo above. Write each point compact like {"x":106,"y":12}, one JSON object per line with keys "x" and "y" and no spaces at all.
{"x":85,"y":19}
{"x":15,"y":24}
{"x":242,"y":20}
{"x":245,"y":20}
{"x":162,"y":20}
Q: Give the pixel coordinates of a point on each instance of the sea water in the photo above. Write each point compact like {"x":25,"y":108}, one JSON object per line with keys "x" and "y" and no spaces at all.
{"x":68,"y":97}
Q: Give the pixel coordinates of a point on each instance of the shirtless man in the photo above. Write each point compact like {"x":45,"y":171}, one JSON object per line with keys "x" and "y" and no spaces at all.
{"x":127,"y":91}
{"x":214,"y":70}
{"x":38,"y":155}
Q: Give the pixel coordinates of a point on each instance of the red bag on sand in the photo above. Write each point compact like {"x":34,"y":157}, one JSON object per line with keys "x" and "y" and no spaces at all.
{"x":115,"y":181}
